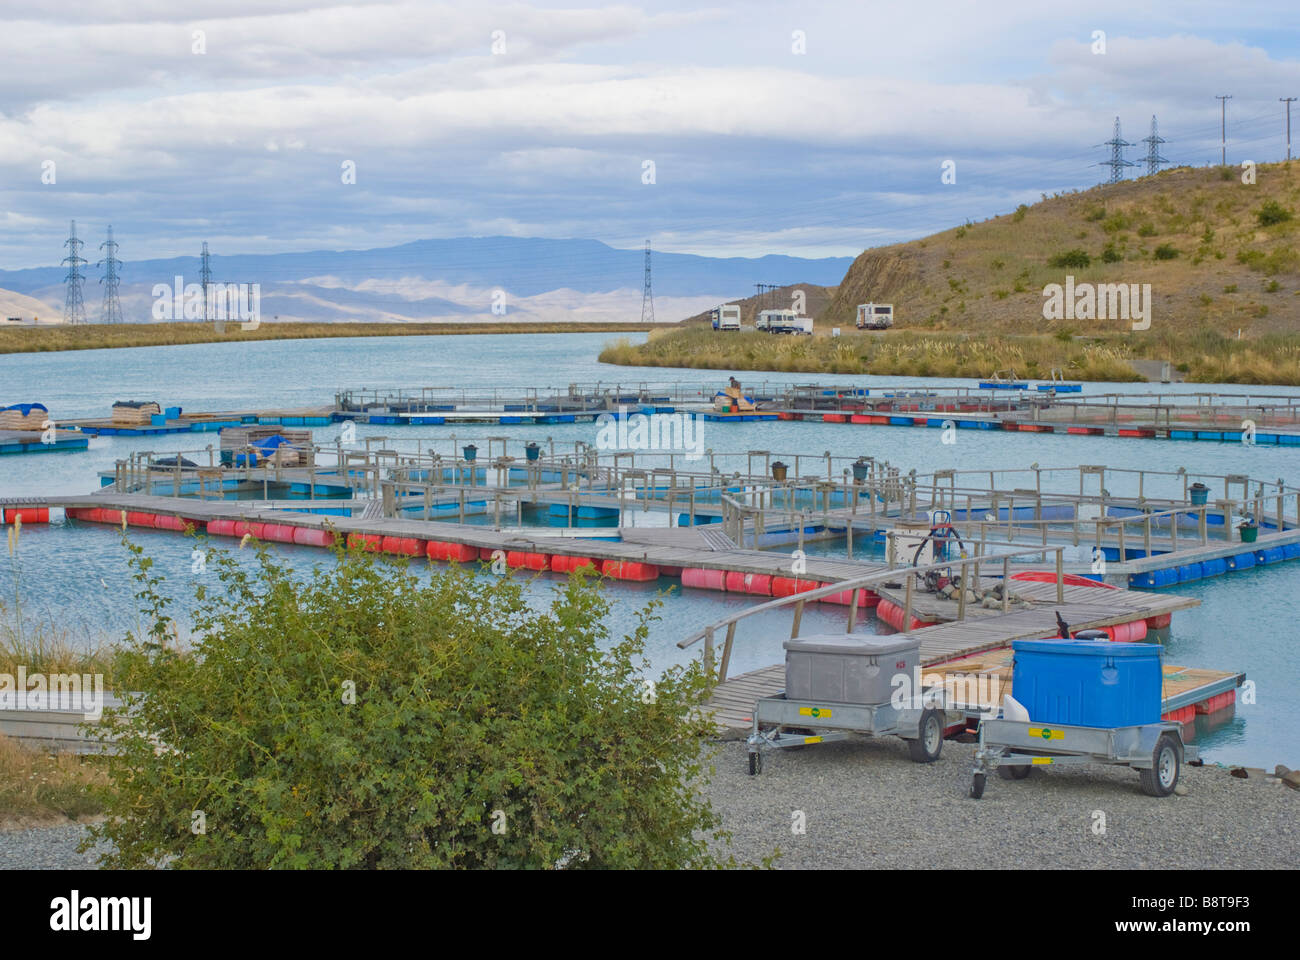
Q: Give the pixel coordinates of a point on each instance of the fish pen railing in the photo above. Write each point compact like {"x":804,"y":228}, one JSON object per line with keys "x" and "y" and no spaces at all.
{"x":854,"y":586}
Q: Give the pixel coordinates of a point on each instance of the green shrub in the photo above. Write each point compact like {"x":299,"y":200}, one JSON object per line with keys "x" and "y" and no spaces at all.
{"x":1271,"y":212}
{"x":1095,"y":214}
{"x":1115,"y":223}
{"x":1070,"y":258}
{"x":1272,"y":286}
{"x":1020,"y":213}
{"x":1166,"y":251}
{"x":1111,"y":255}
{"x":1230,"y":288}
{"x":483,"y":732}
{"x":1147,"y":230}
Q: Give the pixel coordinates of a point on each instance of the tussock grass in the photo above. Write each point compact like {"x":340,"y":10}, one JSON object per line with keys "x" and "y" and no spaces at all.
{"x":899,"y":353}
{"x":40,"y":786}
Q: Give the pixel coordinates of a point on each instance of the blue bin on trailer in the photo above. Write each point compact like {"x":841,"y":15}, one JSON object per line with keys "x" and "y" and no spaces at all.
{"x":1088,"y":683}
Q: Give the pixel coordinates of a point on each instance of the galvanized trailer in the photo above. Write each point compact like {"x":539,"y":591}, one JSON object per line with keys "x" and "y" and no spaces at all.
{"x":778,"y":720}
{"x":1014,"y":747}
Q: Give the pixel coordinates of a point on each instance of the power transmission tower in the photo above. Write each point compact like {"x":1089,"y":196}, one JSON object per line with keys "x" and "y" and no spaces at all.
{"x":1223,"y":128}
{"x":1117,"y":163}
{"x":112,"y":306}
{"x":647,"y":297}
{"x":1153,"y":150}
{"x":205,"y":278}
{"x":1287,"y":101}
{"x":74,"y":307}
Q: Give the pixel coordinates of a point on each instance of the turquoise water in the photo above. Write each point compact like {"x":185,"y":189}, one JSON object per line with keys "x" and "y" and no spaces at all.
{"x":75,"y":576}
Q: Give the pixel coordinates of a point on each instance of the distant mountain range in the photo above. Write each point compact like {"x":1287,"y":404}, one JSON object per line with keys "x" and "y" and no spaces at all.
{"x":458,"y":279}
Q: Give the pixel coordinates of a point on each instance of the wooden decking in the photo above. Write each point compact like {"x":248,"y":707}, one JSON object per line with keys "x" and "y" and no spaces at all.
{"x":732,"y":702}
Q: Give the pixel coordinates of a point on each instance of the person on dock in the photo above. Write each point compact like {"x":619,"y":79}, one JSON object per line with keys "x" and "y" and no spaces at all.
{"x":1062,"y":626}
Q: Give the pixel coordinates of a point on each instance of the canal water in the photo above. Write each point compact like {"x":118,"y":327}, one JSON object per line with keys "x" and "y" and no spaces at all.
{"x":75,"y":577}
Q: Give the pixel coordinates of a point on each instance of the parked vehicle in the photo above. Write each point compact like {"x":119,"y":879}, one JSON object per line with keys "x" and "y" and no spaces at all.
{"x":875,"y":316}
{"x":783,"y":321}
{"x":726,"y":317}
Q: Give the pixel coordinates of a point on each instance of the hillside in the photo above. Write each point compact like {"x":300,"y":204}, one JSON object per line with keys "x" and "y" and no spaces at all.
{"x":1195,"y":235}
{"x":816,"y":300}
{"x":1220,"y":257}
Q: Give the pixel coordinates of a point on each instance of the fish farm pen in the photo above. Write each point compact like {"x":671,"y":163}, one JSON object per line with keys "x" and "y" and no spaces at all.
{"x":967,"y":560}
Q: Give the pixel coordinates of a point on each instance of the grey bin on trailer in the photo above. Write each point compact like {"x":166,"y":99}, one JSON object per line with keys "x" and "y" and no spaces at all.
{"x":848,"y":669}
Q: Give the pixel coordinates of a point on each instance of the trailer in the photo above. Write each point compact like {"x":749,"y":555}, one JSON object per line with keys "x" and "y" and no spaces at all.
{"x":784,"y":321}
{"x":845,"y":685}
{"x":783,"y":723}
{"x":1014,"y":747}
{"x":726,"y":316}
{"x":875,"y":316}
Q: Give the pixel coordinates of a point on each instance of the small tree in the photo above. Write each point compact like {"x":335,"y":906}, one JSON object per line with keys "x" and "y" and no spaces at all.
{"x":1271,"y":212}
{"x":369,"y":717}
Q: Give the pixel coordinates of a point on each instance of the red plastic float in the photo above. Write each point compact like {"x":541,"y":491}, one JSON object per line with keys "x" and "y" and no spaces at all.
{"x":1069,"y":579}
{"x":1159,"y":621}
{"x":221,"y":528}
{"x":788,"y":586}
{"x":703,"y":579}
{"x":892,"y":614}
{"x":28,"y":514}
{"x":278,"y":532}
{"x":866,"y":598}
{"x":563,"y":564}
{"x":630,"y":570}
{"x":450,"y":552}
{"x":307,"y":537}
{"x":369,"y":542}
{"x":1220,"y":701}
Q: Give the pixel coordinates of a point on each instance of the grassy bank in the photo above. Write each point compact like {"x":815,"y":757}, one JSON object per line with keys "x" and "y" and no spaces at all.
{"x":1202,"y":356}
{"x":898,"y":354}
{"x":37,"y":787}
{"x":98,"y":336}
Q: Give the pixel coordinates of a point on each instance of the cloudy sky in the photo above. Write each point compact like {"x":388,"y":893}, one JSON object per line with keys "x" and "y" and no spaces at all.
{"x":538,"y":119}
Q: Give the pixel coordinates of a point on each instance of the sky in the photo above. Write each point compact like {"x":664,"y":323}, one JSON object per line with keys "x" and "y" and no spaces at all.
{"x":811,"y":129}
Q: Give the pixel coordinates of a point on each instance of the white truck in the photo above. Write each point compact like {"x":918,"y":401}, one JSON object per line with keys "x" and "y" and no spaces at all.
{"x":726,"y":316}
{"x":783,"y":321}
{"x":875,"y":316}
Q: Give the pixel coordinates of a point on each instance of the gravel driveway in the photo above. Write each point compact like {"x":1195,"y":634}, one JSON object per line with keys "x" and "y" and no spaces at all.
{"x":866,"y":805}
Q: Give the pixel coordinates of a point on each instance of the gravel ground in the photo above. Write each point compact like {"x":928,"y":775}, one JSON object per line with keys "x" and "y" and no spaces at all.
{"x":866,"y":805}
{"x":45,"y":848}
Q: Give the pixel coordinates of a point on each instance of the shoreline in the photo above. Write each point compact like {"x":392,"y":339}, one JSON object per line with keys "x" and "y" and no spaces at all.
{"x":98,"y":336}
{"x":1194,"y":356}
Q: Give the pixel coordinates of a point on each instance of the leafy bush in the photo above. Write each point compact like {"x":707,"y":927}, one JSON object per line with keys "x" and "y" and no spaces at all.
{"x":1111,"y":255}
{"x":1020,"y":213}
{"x":1166,"y":251}
{"x":1271,"y":212}
{"x":1147,"y":230}
{"x":481,"y":732}
{"x":1070,"y":258}
{"x":1115,"y":223}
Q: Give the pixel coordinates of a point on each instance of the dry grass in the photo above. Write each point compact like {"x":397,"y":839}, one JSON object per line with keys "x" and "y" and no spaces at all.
{"x":896,"y":354}
{"x":1228,"y":271}
{"x":45,"y":648}
{"x":100,"y":336}
{"x":37,"y":787}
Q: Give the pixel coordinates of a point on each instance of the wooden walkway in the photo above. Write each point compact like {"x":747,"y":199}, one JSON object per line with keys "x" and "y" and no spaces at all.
{"x":732,"y":702}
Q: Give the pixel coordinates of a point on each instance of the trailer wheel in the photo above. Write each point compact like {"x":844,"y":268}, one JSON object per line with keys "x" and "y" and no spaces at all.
{"x":977,"y":786}
{"x":1013,"y":771}
{"x":929,"y":741}
{"x":1166,"y":766}
{"x":755,"y":763}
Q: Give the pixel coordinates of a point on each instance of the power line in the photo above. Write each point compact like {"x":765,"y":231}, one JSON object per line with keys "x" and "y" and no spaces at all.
{"x":647,"y":298}
{"x":1117,"y":163}
{"x":1153,"y":149}
{"x":1223,"y":128}
{"x":1288,"y":101}
{"x":205,"y":278}
{"x":112,"y":312}
{"x":74,"y":306}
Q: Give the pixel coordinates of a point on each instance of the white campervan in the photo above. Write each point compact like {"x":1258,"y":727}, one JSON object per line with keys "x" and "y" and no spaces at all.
{"x":875,"y":316}
{"x":726,"y":317}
